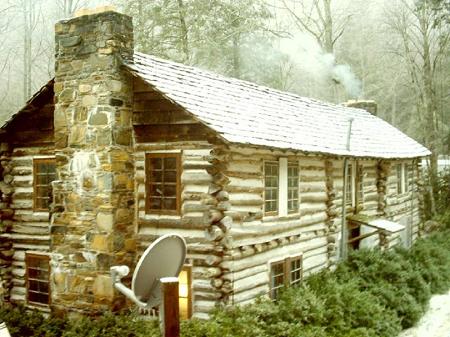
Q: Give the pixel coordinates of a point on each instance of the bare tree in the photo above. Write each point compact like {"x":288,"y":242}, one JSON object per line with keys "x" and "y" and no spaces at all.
{"x":316,"y":17}
{"x":424,"y":43}
{"x":70,"y":6}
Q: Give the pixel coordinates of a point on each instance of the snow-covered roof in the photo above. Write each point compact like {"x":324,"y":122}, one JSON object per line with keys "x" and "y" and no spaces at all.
{"x":245,"y":113}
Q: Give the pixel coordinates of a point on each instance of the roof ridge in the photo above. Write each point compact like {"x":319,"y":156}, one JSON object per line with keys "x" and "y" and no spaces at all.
{"x":248,"y":83}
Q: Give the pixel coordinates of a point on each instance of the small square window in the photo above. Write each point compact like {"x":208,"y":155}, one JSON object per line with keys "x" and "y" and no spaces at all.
{"x":285,"y":273}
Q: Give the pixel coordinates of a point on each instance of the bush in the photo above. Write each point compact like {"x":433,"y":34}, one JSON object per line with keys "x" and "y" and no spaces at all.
{"x":347,"y":307}
{"x":22,"y":322}
{"x":372,"y":294}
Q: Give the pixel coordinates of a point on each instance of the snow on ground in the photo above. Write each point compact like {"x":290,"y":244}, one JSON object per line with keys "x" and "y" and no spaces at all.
{"x":436,"y":321}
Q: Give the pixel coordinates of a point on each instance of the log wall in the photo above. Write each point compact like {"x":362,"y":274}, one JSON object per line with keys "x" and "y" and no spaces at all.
{"x":27,"y":136}
{"x":403,"y":208}
{"x":28,"y":231}
{"x":259,"y":239}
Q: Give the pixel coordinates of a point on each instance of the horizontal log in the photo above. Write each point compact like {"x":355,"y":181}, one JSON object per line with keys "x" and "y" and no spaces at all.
{"x":165,"y":133}
{"x":248,"y":272}
{"x":248,"y":296}
{"x":187,"y":221}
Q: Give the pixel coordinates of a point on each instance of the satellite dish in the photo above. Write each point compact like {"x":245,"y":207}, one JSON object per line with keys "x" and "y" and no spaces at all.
{"x":163,"y":258}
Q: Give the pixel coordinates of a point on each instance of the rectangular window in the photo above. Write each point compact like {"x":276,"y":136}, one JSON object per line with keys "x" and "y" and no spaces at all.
{"x":37,"y":278}
{"x":44,"y":172}
{"x":293,"y":200}
{"x":349,"y":186}
{"x":163,"y":171}
{"x":277,"y":278}
{"x":185,"y":292}
{"x":285,"y":273}
{"x":360,"y":185}
{"x":271,"y":184}
{"x":296,"y":270}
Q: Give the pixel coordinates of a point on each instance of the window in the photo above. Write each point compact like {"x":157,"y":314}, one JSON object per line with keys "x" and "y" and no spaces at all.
{"x":185,"y":292}
{"x":293,"y":187}
{"x":359,"y":185}
{"x":271,"y":180}
{"x":163,"y":171}
{"x":37,"y":278}
{"x":404,"y":174}
{"x":349,"y":186}
{"x":354,"y":194}
{"x":285,"y":273}
{"x":44,"y":172}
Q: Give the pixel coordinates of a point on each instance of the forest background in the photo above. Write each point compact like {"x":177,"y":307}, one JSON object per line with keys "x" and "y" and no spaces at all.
{"x":396,"y":52}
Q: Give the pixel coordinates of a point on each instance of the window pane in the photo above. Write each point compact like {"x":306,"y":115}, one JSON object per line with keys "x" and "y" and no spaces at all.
{"x":170,"y":176}
{"x":170,"y":203}
{"x":156,"y":163}
{"x":155,"y":190}
{"x":155,"y":203}
{"x":157,"y":177}
{"x":170,"y":190}
{"x":170,"y":163}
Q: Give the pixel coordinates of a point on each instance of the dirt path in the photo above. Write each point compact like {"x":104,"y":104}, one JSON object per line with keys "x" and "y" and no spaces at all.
{"x":436,"y":321}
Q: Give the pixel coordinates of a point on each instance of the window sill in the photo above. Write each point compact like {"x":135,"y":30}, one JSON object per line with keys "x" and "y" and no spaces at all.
{"x":292,"y":216}
{"x":156,"y":216}
{"x":39,"y":306}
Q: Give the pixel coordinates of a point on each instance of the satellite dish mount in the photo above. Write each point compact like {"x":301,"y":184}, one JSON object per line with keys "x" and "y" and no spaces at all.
{"x":155,"y":279}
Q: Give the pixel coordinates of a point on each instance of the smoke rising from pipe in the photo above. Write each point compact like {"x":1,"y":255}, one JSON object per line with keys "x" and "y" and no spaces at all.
{"x":310,"y":58}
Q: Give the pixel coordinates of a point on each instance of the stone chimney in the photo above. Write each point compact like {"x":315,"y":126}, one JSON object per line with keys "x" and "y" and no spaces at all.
{"x":368,"y":105}
{"x":92,"y":222}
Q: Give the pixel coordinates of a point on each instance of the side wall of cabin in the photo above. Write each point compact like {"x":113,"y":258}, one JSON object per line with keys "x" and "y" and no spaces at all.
{"x":23,"y":229}
{"x":314,"y":232}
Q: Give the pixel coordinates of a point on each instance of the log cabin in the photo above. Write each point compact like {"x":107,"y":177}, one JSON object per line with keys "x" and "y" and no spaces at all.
{"x":120,"y":148}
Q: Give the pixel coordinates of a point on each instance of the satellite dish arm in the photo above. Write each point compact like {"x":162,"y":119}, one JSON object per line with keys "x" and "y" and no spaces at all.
{"x":117,"y":272}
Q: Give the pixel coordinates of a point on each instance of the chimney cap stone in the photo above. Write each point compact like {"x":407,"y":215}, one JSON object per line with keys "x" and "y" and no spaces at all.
{"x":366,"y":104}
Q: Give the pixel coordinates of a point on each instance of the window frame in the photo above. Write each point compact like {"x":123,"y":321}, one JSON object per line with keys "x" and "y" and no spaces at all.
{"x":292,"y":164}
{"x":286,"y":264}
{"x":405,"y":181}
{"x":28,"y":257}
{"x":177,"y":156}
{"x":36,"y":162}
{"x":355,"y":185}
{"x":359,"y":185}
{"x":277,"y":200}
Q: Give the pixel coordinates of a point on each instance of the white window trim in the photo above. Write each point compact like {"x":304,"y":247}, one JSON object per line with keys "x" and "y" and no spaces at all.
{"x":283,"y":188}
